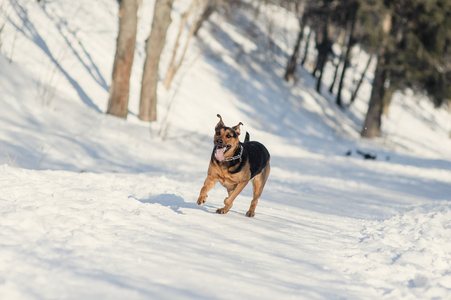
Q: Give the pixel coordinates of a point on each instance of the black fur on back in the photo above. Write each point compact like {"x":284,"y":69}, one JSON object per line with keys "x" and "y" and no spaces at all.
{"x":254,"y":152}
{"x":258,"y":156}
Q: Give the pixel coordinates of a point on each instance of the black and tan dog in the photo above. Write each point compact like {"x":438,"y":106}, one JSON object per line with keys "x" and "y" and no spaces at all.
{"x":234,"y":164}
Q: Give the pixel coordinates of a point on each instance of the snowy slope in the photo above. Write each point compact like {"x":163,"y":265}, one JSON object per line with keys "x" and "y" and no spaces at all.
{"x":100,"y":208}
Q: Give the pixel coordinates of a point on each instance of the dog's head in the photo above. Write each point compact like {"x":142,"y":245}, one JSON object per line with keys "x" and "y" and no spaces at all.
{"x":226,"y":140}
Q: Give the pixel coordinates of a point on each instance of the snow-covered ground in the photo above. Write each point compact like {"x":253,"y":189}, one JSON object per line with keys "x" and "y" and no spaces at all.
{"x":95,"y":207}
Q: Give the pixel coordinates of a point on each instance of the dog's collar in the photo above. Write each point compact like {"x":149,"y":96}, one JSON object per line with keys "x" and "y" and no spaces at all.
{"x":236,"y":156}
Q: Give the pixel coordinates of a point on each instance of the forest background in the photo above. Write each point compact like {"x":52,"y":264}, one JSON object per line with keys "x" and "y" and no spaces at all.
{"x":410,"y":41}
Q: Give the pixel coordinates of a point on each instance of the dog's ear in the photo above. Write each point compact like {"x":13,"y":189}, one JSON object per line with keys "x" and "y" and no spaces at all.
{"x":237,"y":128}
{"x":220,"y":123}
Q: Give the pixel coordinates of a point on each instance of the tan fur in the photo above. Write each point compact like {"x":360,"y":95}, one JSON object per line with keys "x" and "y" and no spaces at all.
{"x":234,"y":183}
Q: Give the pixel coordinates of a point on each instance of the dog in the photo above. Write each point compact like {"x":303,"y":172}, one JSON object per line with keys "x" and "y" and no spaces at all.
{"x":234,"y":164}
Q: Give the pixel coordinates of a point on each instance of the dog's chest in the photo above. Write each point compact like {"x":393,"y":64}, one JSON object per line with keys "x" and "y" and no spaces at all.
{"x":228,"y":179}
{"x":225,"y":177}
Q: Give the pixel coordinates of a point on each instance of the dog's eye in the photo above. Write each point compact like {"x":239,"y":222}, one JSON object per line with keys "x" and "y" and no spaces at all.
{"x":228,"y":136}
{"x":218,"y":133}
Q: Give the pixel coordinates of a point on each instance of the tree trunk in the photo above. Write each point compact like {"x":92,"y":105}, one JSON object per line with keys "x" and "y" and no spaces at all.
{"x":372,"y":125}
{"x":337,"y":67}
{"x":324,"y":47}
{"x":291,"y":67}
{"x":209,"y":9}
{"x":307,"y":44}
{"x":362,"y":76}
{"x":123,"y":60}
{"x":351,"y":43}
{"x":154,"y":47}
{"x":323,"y":51}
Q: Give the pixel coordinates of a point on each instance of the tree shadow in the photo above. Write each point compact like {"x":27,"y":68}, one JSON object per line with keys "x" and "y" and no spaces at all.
{"x":88,"y":63}
{"x":30,"y":31}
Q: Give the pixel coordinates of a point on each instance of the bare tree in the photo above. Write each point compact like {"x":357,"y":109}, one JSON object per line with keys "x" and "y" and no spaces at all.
{"x":209,"y":8}
{"x":352,"y":17}
{"x":323,"y":40}
{"x":306,"y":47}
{"x":324,"y":48}
{"x":175,"y":65}
{"x":341,"y":58}
{"x":362,"y":76}
{"x":372,"y":125}
{"x":291,"y":66}
{"x":123,"y":60}
{"x":154,"y":46}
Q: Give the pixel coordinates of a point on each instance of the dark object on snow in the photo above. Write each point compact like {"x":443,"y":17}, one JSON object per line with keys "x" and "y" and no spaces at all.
{"x":367,"y":155}
{"x":348,"y":153}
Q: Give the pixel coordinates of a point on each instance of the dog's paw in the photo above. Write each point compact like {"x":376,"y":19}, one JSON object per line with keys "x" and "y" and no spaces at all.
{"x":201,"y":200}
{"x":250,"y":214}
{"x":222,"y":211}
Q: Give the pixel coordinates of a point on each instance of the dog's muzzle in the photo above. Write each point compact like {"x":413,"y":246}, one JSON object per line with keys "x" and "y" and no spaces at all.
{"x":220,"y":150}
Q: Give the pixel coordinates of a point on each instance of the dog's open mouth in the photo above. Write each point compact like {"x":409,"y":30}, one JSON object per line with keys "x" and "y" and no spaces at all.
{"x":220,"y":151}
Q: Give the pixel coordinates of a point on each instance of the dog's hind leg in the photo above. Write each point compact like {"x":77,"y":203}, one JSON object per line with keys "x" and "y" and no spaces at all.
{"x":258,"y":183}
{"x":233,"y":193}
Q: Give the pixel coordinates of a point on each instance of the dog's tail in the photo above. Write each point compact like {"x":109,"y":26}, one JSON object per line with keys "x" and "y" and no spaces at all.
{"x":247,"y":138}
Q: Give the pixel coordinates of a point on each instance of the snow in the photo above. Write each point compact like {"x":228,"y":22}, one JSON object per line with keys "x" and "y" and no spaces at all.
{"x":95,"y":207}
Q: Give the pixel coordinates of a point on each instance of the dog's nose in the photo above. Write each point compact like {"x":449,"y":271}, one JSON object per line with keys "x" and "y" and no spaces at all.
{"x":219,"y":141}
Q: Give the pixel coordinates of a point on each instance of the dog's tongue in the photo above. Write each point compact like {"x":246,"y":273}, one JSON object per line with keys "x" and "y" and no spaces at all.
{"x":219,"y":153}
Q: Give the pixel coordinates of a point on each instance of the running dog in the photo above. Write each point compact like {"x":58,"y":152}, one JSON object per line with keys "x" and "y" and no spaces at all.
{"x":234,"y":164}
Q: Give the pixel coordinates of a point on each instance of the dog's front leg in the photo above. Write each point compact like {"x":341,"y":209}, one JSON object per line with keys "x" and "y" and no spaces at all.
{"x":233,"y":193}
{"x":208,"y":185}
